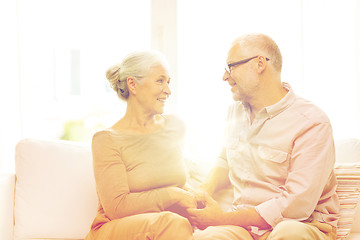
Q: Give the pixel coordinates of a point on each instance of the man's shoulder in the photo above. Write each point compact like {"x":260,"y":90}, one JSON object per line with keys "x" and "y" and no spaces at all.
{"x":236,"y":106}
{"x":308,"y":110}
{"x":235,"y":109}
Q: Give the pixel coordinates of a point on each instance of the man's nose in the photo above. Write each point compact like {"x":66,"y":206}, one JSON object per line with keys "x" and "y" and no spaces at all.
{"x":226,"y":76}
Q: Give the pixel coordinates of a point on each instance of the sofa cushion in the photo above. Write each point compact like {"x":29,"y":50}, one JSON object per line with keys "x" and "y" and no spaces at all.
{"x":55,"y":193}
{"x":7,"y":182}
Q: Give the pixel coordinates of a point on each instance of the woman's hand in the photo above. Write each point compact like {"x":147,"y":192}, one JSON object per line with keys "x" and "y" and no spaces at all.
{"x":199,"y":196}
{"x":210,"y":215}
{"x":183,"y":198}
{"x":182,"y":201}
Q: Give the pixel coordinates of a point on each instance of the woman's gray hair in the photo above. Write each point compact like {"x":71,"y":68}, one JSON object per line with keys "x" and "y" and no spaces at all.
{"x":137,"y":65}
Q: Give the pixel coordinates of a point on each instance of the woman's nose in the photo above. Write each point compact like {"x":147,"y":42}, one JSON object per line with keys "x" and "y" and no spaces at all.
{"x":167,"y":89}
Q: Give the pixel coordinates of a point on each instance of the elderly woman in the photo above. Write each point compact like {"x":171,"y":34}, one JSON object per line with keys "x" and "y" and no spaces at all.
{"x":138,"y":165}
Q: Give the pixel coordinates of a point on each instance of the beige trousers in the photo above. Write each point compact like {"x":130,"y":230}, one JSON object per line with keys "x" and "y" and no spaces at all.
{"x":286,"y":230}
{"x":147,"y":226}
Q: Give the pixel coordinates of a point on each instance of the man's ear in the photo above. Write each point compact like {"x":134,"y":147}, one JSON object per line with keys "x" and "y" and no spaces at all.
{"x":131,"y":84}
{"x":262,"y":64}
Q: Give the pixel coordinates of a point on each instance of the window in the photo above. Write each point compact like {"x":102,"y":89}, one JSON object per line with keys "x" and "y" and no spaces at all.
{"x":56,"y":75}
{"x":65,"y":50}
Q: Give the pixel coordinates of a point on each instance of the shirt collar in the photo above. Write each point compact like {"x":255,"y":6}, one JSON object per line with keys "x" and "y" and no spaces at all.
{"x":284,"y":103}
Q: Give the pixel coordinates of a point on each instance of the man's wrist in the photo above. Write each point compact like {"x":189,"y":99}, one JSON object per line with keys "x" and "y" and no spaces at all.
{"x":206,"y":187}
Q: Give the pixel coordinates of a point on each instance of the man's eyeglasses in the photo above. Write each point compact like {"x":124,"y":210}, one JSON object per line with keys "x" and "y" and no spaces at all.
{"x":230,"y":65}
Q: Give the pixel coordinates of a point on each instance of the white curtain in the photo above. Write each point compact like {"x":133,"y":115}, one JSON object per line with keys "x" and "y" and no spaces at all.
{"x":10,"y":123}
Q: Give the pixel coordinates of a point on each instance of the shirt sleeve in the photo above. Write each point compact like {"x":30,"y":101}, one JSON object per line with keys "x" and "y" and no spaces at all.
{"x":221,"y":160}
{"x":112,"y":185}
{"x":311,"y":166}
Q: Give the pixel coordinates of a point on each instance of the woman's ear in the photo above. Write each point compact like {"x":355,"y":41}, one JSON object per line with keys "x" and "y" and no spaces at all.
{"x":131,"y":84}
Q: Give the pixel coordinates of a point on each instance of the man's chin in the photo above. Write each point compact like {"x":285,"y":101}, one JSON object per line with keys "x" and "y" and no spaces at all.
{"x":236,"y":97}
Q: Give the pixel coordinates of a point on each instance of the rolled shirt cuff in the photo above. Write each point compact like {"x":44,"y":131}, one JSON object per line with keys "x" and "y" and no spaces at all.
{"x":270,"y":212}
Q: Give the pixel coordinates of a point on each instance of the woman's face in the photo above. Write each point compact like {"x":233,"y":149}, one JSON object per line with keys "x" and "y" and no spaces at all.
{"x":154,"y":89}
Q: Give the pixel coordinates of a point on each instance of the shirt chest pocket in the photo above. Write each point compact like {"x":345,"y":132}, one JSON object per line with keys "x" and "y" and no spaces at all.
{"x":272,"y":162}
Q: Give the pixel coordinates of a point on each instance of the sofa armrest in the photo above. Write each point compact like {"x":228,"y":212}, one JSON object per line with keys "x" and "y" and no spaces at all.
{"x":7,"y":184}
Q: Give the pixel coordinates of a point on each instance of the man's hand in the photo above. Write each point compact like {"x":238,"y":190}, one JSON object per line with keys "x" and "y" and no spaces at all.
{"x":210,"y":215}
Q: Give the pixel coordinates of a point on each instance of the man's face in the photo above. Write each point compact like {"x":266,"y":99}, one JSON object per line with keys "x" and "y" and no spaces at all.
{"x":241,"y":77}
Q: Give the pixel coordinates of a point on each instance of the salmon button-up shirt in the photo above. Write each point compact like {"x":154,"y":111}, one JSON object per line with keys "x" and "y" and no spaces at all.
{"x":283,"y":163}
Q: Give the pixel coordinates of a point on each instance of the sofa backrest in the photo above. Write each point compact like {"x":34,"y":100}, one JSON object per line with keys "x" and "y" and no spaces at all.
{"x":55,"y":194}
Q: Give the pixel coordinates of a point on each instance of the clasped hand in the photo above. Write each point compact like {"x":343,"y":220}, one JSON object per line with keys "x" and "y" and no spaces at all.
{"x":207,"y":211}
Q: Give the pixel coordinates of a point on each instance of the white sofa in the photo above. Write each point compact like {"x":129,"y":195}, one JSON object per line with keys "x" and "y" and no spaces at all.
{"x":53,"y":196}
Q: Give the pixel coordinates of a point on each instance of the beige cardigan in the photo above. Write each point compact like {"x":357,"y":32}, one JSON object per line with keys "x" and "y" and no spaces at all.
{"x":133,"y":171}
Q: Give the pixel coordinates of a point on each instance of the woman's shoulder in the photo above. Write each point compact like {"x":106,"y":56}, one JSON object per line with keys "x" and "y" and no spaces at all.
{"x":174,"y":122}
{"x":102,"y":133}
{"x":101,"y":136}
{"x":171,"y":122}
{"x":172,"y":119}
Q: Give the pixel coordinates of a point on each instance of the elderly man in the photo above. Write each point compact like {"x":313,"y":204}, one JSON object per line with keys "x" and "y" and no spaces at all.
{"x":278,"y":155}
